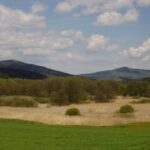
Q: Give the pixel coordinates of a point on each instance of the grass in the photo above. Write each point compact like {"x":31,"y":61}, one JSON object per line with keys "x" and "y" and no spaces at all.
{"x":22,"y":135}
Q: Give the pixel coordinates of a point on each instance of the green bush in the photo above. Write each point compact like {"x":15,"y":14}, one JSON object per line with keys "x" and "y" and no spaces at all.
{"x":18,"y":101}
{"x":73,"y":112}
{"x":126,"y":109}
{"x":142,"y":101}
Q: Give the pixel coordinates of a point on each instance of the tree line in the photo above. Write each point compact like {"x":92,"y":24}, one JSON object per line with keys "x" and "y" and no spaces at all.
{"x":68,"y":90}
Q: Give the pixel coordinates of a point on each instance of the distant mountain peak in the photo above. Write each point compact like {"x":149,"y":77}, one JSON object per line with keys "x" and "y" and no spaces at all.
{"x":123,"y":73}
{"x":11,"y":61}
{"x":123,"y":68}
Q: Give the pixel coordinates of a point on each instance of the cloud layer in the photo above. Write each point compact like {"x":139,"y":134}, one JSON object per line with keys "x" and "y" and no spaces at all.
{"x":109,"y":11}
{"x":115,"y":18}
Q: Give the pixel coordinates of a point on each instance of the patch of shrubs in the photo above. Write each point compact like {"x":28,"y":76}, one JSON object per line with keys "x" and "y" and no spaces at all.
{"x":42,"y":100}
{"x":138,"y":89}
{"x":18,"y":101}
{"x":73,"y":112}
{"x":142,"y":101}
{"x":104,"y":92}
{"x":126,"y":109}
{"x":69,"y":90}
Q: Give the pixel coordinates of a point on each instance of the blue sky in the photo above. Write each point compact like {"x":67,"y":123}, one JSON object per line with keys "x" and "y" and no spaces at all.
{"x":76,"y":36}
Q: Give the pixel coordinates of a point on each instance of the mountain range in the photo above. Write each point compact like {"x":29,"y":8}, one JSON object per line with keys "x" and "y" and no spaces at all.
{"x":18,"y":69}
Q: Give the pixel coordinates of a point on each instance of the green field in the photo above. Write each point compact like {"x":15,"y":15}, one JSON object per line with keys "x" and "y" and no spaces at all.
{"x":21,"y":135}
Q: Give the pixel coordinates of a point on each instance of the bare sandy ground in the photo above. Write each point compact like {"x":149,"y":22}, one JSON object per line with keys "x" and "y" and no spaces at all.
{"x":103,"y":114}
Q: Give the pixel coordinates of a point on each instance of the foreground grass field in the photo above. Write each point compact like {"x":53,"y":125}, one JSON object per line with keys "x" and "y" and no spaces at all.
{"x":21,"y":135}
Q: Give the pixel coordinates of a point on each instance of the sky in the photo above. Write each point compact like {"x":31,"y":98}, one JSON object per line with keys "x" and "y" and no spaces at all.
{"x":76,"y":36}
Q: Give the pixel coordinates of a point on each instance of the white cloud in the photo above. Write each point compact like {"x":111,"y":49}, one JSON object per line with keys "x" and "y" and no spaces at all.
{"x":96,"y":41}
{"x":18,"y":19}
{"x":39,"y":41}
{"x":97,"y":6}
{"x":38,"y":8}
{"x":6,"y":53}
{"x":108,"y":9}
{"x":63,"y":7}
{"x":78,"y":35}
{"x":113,"y":47}
{"x":124,"y":54}
{"x":92,"y":6}
{"x":143,"y":2}
{"x":69,"y":56}
{"x":115,"y":18}
{"x":146,"y":58}
{"x":61,"y":46}
{"x":141,"y":50}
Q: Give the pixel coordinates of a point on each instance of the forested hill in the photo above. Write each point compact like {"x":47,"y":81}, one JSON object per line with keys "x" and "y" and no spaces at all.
{"x":14,"y":68}
{"x":17,"y":73}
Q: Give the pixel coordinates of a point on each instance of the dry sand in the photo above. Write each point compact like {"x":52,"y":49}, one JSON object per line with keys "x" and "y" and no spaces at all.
{"x":103,"y":114}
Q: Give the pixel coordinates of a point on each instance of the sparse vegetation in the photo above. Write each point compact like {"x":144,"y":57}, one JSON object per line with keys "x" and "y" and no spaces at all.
{"x":18,"y":101}
{"x":73,"y":112}
{"x":126,"y":109}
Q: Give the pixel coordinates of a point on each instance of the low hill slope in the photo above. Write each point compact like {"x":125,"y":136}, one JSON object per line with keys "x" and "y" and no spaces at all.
{"x":123,"y":73}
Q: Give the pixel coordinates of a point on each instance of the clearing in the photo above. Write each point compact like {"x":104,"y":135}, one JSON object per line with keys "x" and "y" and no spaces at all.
{"x":92,"y":114}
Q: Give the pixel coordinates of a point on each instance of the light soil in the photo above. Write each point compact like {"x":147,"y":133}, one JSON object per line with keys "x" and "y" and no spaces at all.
{"x":93,"y":114}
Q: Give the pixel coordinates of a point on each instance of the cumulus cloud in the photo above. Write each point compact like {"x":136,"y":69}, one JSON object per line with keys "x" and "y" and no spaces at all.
{"x":115,"y":18}
{"x":6,"y":53}
{"x":63,"y":7}
{"x":113,"y":47}
{"x":62,"y":46}
{"x":146,"y":58}
{"x":96,"y":6}
{"x":141,"y":50}
{"x":143,"y":2}
{"x":71,"y":56}
{"x":39,"y":41}
{"x":18,"y":19}
{"x":38,"y":8}
{"x":108,"y":10}
{"x":96,"y":41}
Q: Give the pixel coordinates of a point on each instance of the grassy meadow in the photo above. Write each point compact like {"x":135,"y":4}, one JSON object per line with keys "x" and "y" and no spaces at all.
{"x":22,"y":135}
